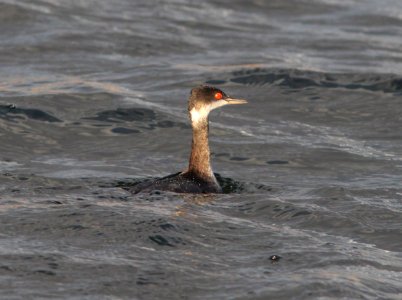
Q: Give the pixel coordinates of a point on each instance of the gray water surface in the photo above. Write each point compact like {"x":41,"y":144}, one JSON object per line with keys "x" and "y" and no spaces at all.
{"x":93,"y":97}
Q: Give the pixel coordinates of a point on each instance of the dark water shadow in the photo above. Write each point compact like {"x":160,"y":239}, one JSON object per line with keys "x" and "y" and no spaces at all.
{"x":143,"y":118}
{"x":13,"y":113}
{"x":297,"y":79}
{"x":125,"y":115}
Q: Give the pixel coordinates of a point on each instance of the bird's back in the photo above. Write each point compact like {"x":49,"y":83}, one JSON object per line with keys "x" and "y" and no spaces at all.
{"x":182,"y":182}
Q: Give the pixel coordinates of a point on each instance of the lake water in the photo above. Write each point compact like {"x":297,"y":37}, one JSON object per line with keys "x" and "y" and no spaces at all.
{"x":93,"y":97}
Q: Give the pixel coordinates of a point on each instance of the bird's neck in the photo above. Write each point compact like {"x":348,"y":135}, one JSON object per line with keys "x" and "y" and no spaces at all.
{"x":200,"y":164}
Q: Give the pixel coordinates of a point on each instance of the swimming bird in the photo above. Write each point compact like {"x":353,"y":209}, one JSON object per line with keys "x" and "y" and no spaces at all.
{"x":198,"y":177}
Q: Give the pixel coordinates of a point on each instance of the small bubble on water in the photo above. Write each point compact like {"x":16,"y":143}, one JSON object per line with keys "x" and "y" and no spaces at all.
{"x":275,"y":258}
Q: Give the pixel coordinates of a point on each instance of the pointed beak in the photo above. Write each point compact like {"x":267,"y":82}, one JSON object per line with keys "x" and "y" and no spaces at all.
{"x":235,"y":101}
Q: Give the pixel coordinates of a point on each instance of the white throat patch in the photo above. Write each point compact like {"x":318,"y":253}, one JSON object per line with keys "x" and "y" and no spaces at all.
{"x":201,"y":114}
{"x":198,"y":115}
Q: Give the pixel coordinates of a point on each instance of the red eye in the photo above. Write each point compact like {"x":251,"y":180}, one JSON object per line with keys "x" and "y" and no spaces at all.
{"x":218,"y":96}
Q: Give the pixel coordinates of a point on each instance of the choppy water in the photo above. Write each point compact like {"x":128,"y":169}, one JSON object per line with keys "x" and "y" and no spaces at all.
{"x":93,"y":96}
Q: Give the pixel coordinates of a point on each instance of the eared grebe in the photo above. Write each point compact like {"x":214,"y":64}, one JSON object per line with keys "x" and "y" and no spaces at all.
{"x":198,"y":178}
